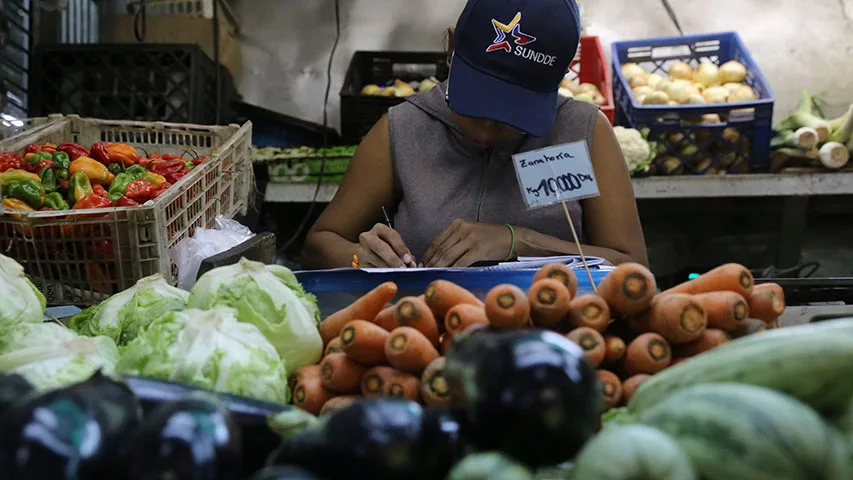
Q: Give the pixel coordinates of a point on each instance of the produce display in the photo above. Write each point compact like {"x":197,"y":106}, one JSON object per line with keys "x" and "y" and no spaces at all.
{"x":639,"y":153}
{"x":684,"y":85}
{"x":306,"y":164}
{"x":68,"y":176}
{"x":584,"y":92}
{"x":399,"y":88}
{"x":806,"y":140}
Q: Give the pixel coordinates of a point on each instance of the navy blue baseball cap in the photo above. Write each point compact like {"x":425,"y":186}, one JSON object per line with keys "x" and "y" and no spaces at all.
{"x":510,"y":57}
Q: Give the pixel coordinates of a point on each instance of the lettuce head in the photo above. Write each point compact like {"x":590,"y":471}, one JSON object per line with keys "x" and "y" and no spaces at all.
{"x":121,"y":316}
{"x":269,"y":297}
{"x":209,"y":349}
{"x":50,"y":356}
{"x":20,"y":300}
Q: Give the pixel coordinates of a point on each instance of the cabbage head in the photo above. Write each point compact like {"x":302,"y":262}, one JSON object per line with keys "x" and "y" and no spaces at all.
{"x":209,"y":349}
{"x":20,"y":300}
{"x":50,"y":356}
{"x":121,"y":316}
{"x":269,"y":297}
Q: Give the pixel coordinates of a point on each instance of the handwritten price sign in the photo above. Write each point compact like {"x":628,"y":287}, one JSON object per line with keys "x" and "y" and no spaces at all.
{"x":556,"y":174}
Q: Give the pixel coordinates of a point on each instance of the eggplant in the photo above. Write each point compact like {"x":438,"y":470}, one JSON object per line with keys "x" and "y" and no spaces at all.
{"x":251,"y":415}
{"x":69,"y":433}
{"x":530,"y":394}
{"x":284,"y":473}
{"x":13,"y":389}
{"x":194,"y":438}
{"x":377,"y":438}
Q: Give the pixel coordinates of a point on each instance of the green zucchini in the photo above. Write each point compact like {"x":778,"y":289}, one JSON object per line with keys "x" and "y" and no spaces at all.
{"x":734,"y":431}
{"x":633,"y":452}
{"x":813,"y":367}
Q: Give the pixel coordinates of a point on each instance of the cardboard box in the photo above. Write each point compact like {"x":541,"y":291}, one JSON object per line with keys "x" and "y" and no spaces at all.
{"x":178,"y":29}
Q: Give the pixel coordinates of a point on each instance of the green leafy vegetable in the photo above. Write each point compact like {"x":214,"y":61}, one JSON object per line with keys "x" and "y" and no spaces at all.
{"x":210,"y":349}
{"x":290,"y":423}
{"x":20,"y":301}
{"x":269,"y":297}
{"x":121,"y":316}
{"x":50,"y":356}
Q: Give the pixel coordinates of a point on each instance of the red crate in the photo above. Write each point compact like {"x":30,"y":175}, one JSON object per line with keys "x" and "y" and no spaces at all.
{"x":591,"y":66}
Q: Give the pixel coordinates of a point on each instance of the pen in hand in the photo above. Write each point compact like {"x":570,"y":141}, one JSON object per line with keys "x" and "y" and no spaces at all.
{"x":407,"y":258}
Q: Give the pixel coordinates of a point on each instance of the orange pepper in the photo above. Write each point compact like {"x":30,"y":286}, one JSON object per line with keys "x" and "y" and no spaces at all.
{"x":121,"y":152}
{"x":95,"y":170}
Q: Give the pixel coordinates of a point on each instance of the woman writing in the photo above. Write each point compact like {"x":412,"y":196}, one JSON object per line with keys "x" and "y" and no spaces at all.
{"x":442,"y":161}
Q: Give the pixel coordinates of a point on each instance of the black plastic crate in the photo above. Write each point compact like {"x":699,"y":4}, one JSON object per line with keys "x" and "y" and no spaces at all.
{"x":360,"y":112}
{"x":169,"y":83}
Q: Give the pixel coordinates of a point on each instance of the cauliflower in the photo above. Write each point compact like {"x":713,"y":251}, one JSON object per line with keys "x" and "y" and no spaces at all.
{"x":637,"y":151}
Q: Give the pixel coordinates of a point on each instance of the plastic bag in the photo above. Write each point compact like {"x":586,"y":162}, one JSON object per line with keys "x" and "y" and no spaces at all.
{"x":190,"y":252}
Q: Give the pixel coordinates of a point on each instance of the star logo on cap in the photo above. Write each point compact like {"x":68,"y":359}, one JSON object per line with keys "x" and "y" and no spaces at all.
{"x":514,"y":29}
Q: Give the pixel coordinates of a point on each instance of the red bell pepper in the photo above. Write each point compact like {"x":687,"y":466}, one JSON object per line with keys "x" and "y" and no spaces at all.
{"x":126,"y":202}
{"x":99,"y":190}
{"x":163,"y":167}
{"x":32,"y":148}
{"x":101,"y":249}
{"x":140,"y":191}
{"x":99,"y":152}
{"x":48,"y":147}
{"x":161,"y":190}
{"x":73,"y":150}
{"x":92,"y":201}
{"x":63,"y":186}
{"x":10,"y":161}
{"x":142,"y":161}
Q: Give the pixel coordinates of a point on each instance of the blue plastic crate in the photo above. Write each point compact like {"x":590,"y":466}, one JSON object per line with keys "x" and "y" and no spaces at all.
{"x":739,"y":144}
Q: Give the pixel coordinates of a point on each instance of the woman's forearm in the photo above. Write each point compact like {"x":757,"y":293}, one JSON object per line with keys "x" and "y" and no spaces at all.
{"x":324,"y":250}
{"x":530,"y":243}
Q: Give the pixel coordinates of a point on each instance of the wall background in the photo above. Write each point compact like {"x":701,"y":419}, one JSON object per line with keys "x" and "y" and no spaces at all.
{"x":286,"y":43}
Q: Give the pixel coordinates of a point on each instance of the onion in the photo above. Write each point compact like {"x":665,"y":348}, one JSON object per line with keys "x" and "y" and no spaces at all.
{"x":638,"y":81}
{"x":743,"y":94}
{"x":731,"y":86}
{"x":653,"y":80}
{"x":631,"y":70}
{"x":599,"y":99}
{"x":678,"y":92}
{"x":663,"y":84}
{"x":707,"y":74}
{"x":711,"y":119}
{"x":656,"y":98}
{"x":681,"y":70}
{"x":371,"y":90}
{"x":585,"y":97}
{"x":588,"y":88}
{"x":716,"y":95}
{"x":733,"y":72}
{"x":696,"y":99}
{"x":566,"y":93}
{"x":644,"y":90}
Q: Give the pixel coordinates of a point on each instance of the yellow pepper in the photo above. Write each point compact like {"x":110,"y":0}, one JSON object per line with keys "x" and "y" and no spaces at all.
{"x":15,"y":204}
{"x":95,"y":170}
{"x":154,"y":179}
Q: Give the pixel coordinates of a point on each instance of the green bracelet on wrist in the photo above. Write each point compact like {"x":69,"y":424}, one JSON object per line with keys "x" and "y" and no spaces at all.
{"x":512,"y":247}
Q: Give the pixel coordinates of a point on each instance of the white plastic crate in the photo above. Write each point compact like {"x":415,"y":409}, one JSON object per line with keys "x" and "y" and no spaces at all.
{"x":83,"y":256}
{"x":11,"y":127}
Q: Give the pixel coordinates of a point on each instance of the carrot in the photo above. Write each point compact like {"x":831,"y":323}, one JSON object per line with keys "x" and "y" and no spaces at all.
{"x":405,"y":386}
{"x":462,"y":316}
{"x":300,"y":373}
{"x":365,"y":308}
{"x":442,"y":295}
{"x":589,"y":311}
{"x":412,"y":312}
{"x":341,"y":374}
{"x":615,"y":348}
{"x":409,"y":350}
{"x":591,"y":342}
{"x":310,"y":394}
{"x":629,"y":289}
{"x":364,"y":342}
{"x":710,"y":339}
{"x":334,"y":346}
{"x":751,"y":327}
{"x":679,"y":318}
{"x":549,"y":302}
{"x":630,"y":385}
{"x":389,"y":382}
{"x":612,"y":389}
{"x":507,"y":307}
{"x":649,"y":353}
{"x":446,"y":341}
{"x":385,"y":319}
{"x":726,"y":310}
{"x":560,"y":272}
{"x":338,"y":403}
{"x":434,"y":389}
{"x":726,"y":278}
{"x":767,"y":302}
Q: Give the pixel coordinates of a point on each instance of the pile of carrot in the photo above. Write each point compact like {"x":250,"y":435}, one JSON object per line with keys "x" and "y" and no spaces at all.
{"x":629,"y":330}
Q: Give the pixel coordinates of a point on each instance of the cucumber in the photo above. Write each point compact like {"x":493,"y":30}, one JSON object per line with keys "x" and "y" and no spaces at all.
{"x":814,"y":367}
{"x":734,"y":431}
{"x":633,"y":452}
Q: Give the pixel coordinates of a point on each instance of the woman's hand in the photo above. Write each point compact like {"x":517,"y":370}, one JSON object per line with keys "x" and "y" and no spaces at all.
{"x":465,"y":243}
{"x":383,"y":247}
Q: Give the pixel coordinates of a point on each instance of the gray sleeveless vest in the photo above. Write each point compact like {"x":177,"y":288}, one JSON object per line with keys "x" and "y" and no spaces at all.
{"x":439,"y":176}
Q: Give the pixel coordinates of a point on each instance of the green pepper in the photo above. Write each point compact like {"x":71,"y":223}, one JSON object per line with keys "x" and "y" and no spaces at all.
{"x":62,"y":174}
{"x":38,"y":157}
{"x":48,"y":179}
{"x":115,"y":168}
{"x":78,"y":187}
{"x":61,"y":160}
{"x":120,"y":183}
{"x":55,"y":201}
{"x":136,"y":171}
{"x":189,"y":164}
{"x":29,"y":191}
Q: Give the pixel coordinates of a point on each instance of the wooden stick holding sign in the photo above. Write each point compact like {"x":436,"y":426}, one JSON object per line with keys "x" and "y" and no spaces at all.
{"x":558,"y":174}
